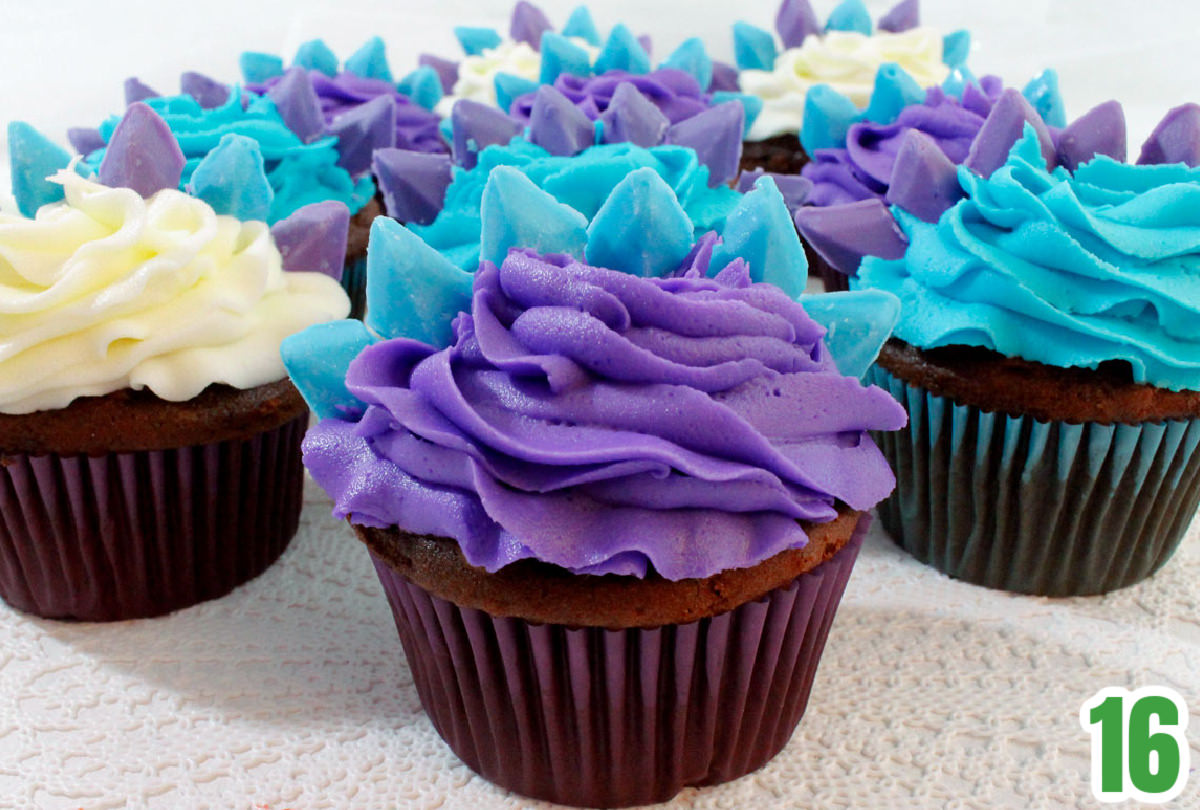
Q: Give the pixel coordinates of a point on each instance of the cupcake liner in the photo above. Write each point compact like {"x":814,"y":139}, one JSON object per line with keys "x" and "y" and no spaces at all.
{"x":354,"y":282}
{"x":132,"y":535}
{"x":781,"y":154}
{"x":610,"y":718}
{"x":1046,"y":508}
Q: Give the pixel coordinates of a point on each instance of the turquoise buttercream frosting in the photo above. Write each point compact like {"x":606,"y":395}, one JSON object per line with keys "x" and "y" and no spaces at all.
{"x":583,"y":182}
{"x":298,"y":173}
{"x":1062,"y":269}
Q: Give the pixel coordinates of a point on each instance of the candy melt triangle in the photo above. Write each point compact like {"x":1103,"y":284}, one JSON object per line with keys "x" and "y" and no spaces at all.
{"x":136,"y":90}
{"x":528,"y":24}
{"x":581,"y":25}
{"x":827,"y":119}
{"x":623,"y":51}
{"x":796,"y":21}
{"x":1004,"y":126}
{"x":857,"y":325}
{"x":34,"y":158}
{"x":1176,"y":139}
{"x":312,"y":239}
{"x":641,"y":229}
{"x":475,"y":41}
{"x":633,"y":118}
{"x":413,"y":183}
{"x":370,"y":61}
{"x":362,"y":130}
{"x":1099,"y":131}
{"x":561,"y":55}
{"x":903,"y":16}
{"x":693,"y":59}
{"x":142,"y":153}
{"x":893,"y":91}
{"x":316,"y":55}
{"x":516,"y":213}
{"x":716,"y":137}
{"x":759,"y":230}
{"x":259,"y":67}
{"x":844,"y":234}
{"x":423,"y":86}
{"x":924,"y":180}
{"x":557,"y":125}
{"x":477,"y":126}
{"x":509,"y":87}
{"x":208,"y":92}
{"x":446,"y":69}
{"x":317,"y":360}
{"x":850,"y":15}
{"x":231,"y":178}
{"x":753,"y":48}
{"x":298,"y":104}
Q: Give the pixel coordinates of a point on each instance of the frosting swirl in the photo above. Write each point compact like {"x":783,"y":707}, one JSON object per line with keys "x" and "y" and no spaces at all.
{"x":608,"y":423}
{"x":1067,"y":270}
{"x":676,"y":94}
{"x":109,"y":291}
{"x":477,"y":74}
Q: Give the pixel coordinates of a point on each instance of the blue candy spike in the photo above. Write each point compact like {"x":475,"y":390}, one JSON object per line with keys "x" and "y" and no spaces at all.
{"x":894,"y":90}
{"x":231,"y":178}
{"x":857,"y":325}
{"x":34,"y":157}
{"x":137,"y":90}
{"x":258,"y":67}
{"x":1042,"y":92}
{"x":641,"y":229}
{"x":518,"y":214}
{"x":446,"y":129}
{"x":423,"y":86}
{"x":956,"y":83}
{"x":581,"y":25}
{"x":475,"y":41}
{"x":298,"y":104}
{"x":317,"y":359}
{"x":370,"y":61}
{"x":955,"y":49}
{"x":850,"y":15}
{"x":316,"y":55}
{"x":509,"y":88}
{"x":753,"y":105}
{"x":622,"y":51}
{"x":753,"y":48}
{"x":827,"y":119}
{"x":760,"y":230}
{"x":690,"y":57}
{"x":412,"y":290}
{"x":561,"y":55}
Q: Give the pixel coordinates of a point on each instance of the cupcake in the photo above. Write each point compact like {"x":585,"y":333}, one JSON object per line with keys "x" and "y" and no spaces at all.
{"x":1043,"y":350}
{"x":615,"y":502}
{"x":149,"y":437}
{"x":841,"y":57}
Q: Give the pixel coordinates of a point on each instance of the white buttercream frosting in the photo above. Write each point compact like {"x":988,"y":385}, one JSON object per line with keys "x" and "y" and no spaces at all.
{"x":846,"y":61}
{"x":477,"y":74}
{"x":108,"y":290}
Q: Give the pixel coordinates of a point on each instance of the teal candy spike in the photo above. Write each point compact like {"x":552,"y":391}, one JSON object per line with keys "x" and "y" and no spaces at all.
{"x":475,"y":41}
{"x":561,"y":55}
{"x":760,"y":230}
{"x":446,"y":129}
{"x":894,"y":90}
{"x":316,"y":55}
{"x":857,"y":325}
{"x":34,"y":157}
{"x":957,"y":82}
{"x":232,"y":179}
{"x":753,"y":48}
{"x":581,"y":25}
{"x":423,"y":86}
{"x":753,"y":105}
{"x":827,"y":119}
{"x":955,"y":49}
{"x":850,"y":15}
{"x":509,"y":88}
{"x":690,"y":57}
{"x":258,"y":67}
{"x":317,"y":359}
{"x":1042,"y":92}
{"x":641,"y":229}
{"x":518,"y":214}
{"x":412,"y":290}
{"x":370,"y":61}
{"x":622,"y":51}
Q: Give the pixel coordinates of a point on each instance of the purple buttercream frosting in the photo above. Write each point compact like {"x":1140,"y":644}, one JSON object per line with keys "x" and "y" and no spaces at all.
{"x":676,"y":94}
{"x":609,"y":424}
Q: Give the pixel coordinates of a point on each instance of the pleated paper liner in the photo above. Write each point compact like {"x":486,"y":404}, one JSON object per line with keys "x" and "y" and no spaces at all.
{"x":1045,"y":508}
{"x":133,"y":535}
{"x":611,"y":718}
{"x":354,"y":282}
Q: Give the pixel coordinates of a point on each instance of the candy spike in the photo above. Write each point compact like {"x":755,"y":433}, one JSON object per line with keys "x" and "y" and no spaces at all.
{"x":446,"y":69}
{"x":312,"y":239}
{"x":641,"y":228}
{"x":716,"y":137}
{"x":370,"y":61}
{"x":857,"y":324}
{"x":1099,"y":131}
{"x":413,"y":183}
{"x":647,"y":45}
{"x":760,"y":231}
{"x":1176,"y":139}
{"x":317,"y":360}
{"x":924,"y":181}
{"x":843,"y":234}
{"x":956,"y":47}
{"x":477,"y":126}
{"x":298,"y":104}
{"x":33,"y":158}
{"x":699,"y":258}
{"x":509,"y":88}
{"x":633,"y":118}
{"x":259,"y":67}
{"x":581,"y":25}
{"x":794,"y":187}
{"x":724,"y":79}
{"x":904,"y":16}
{"x":364,"y":129}
{"x":516,"y":213}
{"x":849,"y":15}
{"x":976,"y":99}
{"x":85,"y":140}
{"x":561,"y":55}
{"x":795,"y":21}
{"x":316,"y":55}
{"x":1042,"y":92}
{"x":475,"y":41}
{"x":1003,"y":127}
{"x":136,"y":90}
{"x":423,"y":86}
{"x":142,"y":153}
{"x":753,"y":48}
{"x":209,"y":93}
{"x":691,"y":58}
{"x":557,"y":125}
{"x":622,"y":51}
{"x":528,"y":24}
{"x":893,"y":91}
{"x":828,"y":116}
{"x":232,"y":179}
{"x":752,"y":105}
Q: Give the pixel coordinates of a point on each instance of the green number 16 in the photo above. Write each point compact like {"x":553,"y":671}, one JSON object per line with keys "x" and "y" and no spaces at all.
{"x":1139,"y":750}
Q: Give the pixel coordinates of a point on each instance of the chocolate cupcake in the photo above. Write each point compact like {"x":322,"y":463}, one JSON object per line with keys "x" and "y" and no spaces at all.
{"x":1042,"y":350}
{"x":149,"y":438}
{"x":612,"y":549}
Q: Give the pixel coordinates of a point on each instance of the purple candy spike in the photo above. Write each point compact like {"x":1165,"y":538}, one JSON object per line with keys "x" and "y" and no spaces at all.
{"x":364,"y":129}
{"x":646,"y":43}
{"x":136,"y":91}
{"x":557,"y":125}
{"x":904,"y":16}
{"x":478,"y":126}
{"x":209,"y":93}
{"x":716,"y":135}
{"x":843,"y":234}
{"x":700,"y":257}
{"x":725,"y":78}
{"x":1099,"y":131}
{"x":528,"y":24}
{"x":142,"y":153}
{"x":447,"y":70}
{"x":793,"y":187}
{"x":1176,"y":139}
{"x":312,"y":239}
{"x":298,"y":104}
{"x":924,"y":180}
{"x":795,"y":21}
{"x":85,"y":140}
{"x":633,"y":118}
{"x":413,"y":183}
{"x":1003,"y":127}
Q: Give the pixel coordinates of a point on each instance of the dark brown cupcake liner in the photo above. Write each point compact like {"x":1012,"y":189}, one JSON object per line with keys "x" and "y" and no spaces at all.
{"x":780,"y":154}
{"x":1045,"y":508}
{"x":133,"y":535}
{"x":610,"y":718}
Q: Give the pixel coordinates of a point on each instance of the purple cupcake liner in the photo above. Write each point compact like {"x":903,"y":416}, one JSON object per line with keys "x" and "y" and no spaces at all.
{"x":1044,"y":508}
{"x":133,"y":535}
{"x":611,"y":718}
